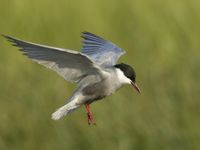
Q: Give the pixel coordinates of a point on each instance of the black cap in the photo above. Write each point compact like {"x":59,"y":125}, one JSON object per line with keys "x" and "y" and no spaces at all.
{"x":127,"y":70}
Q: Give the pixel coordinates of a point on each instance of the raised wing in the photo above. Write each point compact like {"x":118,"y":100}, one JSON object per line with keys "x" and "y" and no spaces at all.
{"x":103,"y":52}
{"x":71,"y":65}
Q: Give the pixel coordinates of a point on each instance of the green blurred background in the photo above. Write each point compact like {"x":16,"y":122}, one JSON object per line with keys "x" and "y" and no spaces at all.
{"x":162,"y":41}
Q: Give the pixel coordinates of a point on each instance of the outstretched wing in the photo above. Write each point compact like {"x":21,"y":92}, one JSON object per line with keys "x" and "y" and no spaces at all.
{"x":71,"y":65}
{"x":103,"y":52}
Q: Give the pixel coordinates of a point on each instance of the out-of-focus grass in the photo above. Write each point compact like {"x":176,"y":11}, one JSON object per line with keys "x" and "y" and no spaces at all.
{"x":161,"y":39}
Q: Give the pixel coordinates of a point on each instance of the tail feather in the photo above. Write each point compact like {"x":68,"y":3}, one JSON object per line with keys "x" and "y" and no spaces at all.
{"x":64,"y":110}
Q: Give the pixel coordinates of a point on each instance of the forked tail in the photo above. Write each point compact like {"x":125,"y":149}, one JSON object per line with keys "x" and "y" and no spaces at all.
{"x":64,"y":110}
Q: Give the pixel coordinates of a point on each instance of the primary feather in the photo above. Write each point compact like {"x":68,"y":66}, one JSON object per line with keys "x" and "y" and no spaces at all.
{"x":71,"y":65}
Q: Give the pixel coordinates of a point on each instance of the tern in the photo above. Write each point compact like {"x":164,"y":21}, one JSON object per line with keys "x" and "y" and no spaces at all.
{"x":94,"y":69}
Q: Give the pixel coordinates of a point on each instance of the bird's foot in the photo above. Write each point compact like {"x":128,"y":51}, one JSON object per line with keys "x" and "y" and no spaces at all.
{"x":90,"y":119}
{"x":89,"y":115}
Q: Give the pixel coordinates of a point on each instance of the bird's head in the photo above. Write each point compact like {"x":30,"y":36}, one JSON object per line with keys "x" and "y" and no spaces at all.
{"x":127,"y":75}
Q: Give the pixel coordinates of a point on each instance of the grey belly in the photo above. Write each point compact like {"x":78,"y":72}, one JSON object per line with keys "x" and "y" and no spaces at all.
{"x":96,"y":91}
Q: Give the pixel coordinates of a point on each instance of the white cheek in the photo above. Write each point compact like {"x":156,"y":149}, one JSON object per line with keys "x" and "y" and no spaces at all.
{"x":122,"y":78}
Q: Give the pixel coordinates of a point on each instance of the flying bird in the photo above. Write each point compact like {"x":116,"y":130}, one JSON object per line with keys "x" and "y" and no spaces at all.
{"x":94,"y":69}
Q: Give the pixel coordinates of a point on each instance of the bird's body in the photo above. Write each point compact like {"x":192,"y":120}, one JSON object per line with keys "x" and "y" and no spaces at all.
{"x":101,"y":86}
{"x":98,"y":88}
{"x":94,"y":70}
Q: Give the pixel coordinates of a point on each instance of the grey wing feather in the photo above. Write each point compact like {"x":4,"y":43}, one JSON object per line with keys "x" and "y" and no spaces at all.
{"x":71,"y":65}
{"x":103,"y":52}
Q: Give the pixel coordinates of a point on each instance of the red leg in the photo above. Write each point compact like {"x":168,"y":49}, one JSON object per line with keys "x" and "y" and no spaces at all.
{"x":89,"y":115}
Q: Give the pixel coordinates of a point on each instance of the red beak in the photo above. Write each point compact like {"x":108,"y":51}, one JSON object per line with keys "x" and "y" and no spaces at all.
{"x":136,"y":87}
